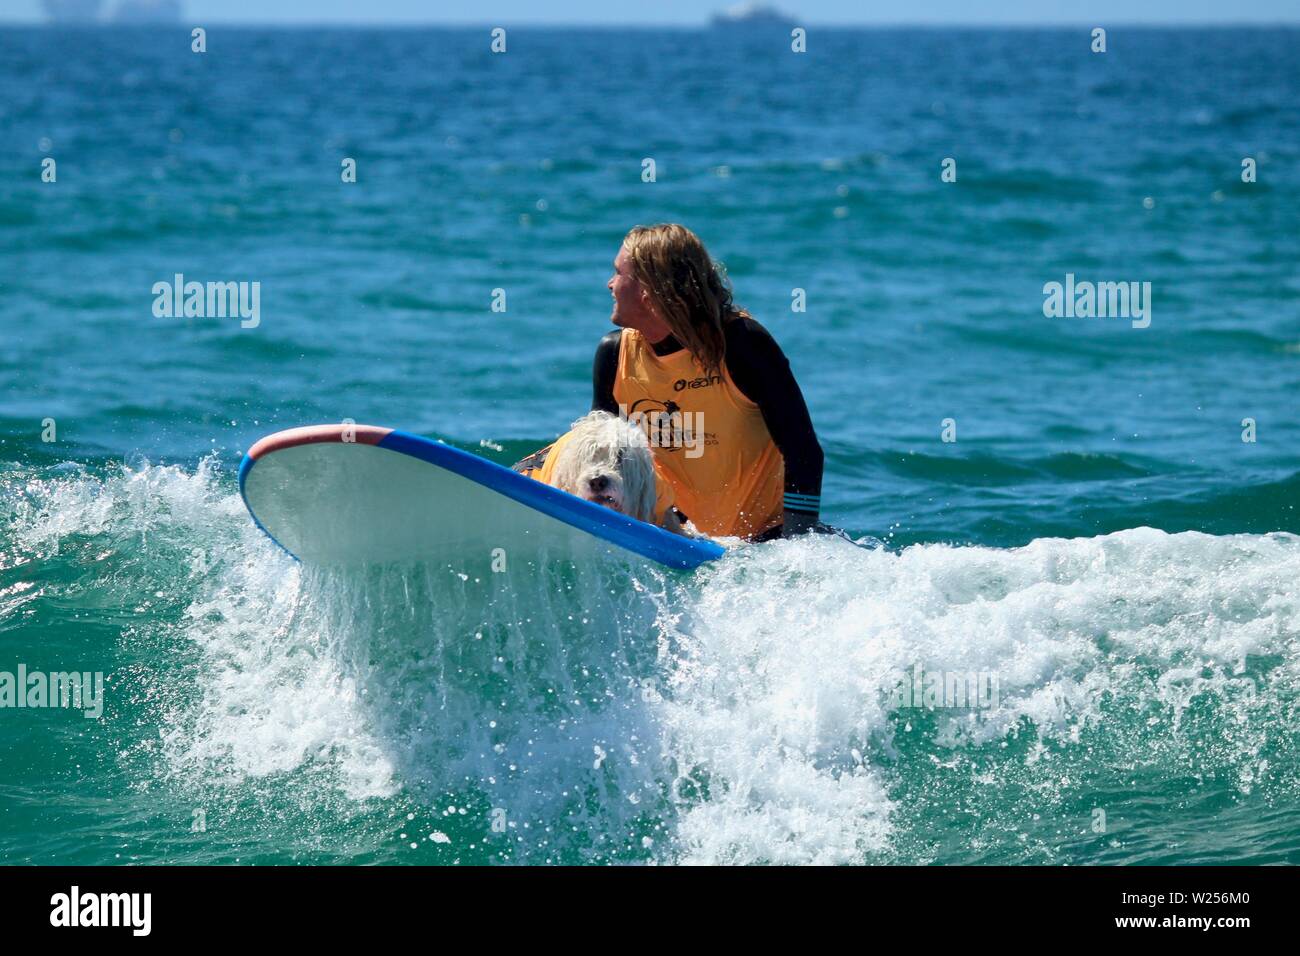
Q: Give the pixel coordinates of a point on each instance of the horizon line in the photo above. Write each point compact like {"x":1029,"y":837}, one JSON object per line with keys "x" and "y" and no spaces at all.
{"x":693,"y":25}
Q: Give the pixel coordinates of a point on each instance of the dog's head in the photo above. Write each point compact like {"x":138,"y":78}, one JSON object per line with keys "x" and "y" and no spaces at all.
{"x":608,"y":461}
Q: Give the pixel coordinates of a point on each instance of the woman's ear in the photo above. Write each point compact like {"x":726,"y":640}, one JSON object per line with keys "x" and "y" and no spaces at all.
{"x":647,"y":300}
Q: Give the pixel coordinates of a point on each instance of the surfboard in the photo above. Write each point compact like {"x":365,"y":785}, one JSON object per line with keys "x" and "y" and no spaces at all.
{"x":361,"y":494}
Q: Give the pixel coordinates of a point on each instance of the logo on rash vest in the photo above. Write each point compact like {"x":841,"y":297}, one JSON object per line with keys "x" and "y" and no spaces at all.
{"x":667,"y":426}
{"x":701,"y":382}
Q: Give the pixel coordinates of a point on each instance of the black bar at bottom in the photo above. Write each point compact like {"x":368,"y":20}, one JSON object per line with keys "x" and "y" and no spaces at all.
{"x":944,"y":905}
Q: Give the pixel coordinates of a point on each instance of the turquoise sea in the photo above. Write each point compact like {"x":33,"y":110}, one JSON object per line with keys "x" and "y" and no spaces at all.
{"x":1099,"y":538}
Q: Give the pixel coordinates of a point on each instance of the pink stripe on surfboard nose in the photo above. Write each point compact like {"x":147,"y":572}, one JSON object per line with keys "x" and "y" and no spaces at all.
{"x":314,"y":434}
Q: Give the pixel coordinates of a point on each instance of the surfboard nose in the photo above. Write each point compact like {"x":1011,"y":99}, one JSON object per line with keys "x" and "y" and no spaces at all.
{"x":345,"y":433}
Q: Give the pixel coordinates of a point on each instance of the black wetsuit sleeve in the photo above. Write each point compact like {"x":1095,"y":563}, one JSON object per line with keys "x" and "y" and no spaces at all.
{"x":762,"y":372}
{"x":603,"y":371}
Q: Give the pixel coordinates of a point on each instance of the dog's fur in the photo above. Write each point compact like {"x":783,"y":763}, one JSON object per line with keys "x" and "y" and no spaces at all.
{"x":608,"y":461}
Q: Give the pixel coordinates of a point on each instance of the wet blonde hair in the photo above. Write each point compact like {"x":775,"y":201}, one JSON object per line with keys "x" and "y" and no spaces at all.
{"x":690,"y":293}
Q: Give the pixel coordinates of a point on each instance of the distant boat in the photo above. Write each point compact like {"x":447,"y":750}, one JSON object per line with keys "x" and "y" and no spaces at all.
{"x":147,"y":11}
{"x":752,"y":15}
{"x":73,"y":11}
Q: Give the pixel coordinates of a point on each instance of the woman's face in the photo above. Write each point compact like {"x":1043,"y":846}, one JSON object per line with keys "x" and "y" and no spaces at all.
{"x":632,"y":306}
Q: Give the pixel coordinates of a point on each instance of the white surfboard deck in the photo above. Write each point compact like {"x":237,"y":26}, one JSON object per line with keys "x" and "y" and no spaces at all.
{"x":360,"y":494}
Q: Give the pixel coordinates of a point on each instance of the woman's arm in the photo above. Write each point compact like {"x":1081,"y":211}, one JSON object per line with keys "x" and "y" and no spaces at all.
{"x":762,"y":372}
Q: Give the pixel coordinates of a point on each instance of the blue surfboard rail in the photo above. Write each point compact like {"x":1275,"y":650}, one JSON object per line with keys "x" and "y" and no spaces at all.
{"x":245,"y":466}
{"x":638,"y":537}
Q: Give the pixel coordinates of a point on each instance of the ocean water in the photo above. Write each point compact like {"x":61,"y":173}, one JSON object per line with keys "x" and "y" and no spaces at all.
{"x":1099,"y":539}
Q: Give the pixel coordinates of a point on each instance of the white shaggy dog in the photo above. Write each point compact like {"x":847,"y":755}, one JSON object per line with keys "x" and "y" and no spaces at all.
{"x":608,"y":461}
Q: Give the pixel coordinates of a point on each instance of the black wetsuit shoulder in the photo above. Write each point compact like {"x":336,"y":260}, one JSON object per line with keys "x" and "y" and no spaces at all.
{"x":603,"y":372}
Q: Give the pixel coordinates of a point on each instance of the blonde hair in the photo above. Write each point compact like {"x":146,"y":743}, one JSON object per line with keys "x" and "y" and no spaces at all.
{"x":690,"y":293}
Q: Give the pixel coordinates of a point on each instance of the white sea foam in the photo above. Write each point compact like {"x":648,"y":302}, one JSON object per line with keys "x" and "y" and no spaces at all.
{"x":745,"y":708}
{"x":257,"y":702}
{"x":780,"y":688}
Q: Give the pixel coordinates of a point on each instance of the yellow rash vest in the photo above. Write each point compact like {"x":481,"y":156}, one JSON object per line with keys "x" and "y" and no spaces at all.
{"x":709,"y":440}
